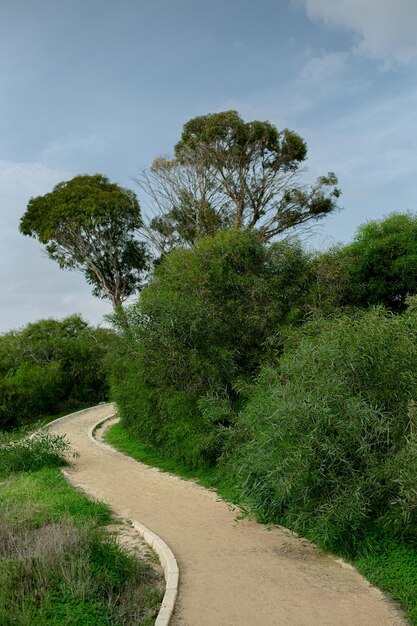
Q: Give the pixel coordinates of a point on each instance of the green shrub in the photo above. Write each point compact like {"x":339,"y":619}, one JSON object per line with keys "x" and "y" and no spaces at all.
{"x":200,"y":327}
{"x":31,"y":453}
{"x":327,"y":444}
{"x":378,"y":267}
{"x":49,"y":367}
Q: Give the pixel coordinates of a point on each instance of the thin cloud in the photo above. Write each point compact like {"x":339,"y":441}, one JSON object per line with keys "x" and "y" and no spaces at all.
{"x":71,"y":150}
{"x":384,"y":29}
{"x":326,"y":66}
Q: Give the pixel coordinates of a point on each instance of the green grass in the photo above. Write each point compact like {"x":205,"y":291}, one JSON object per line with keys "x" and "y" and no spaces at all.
{"x":60,"y":566}
{"x":387,"y":564}
{"x":119,"y":437}
{"x":45,"y":496}
{"x":392,"y":566}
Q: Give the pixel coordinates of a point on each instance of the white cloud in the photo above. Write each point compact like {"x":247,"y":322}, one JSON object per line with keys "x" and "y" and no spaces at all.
{"x":73,"y":149}
{"x":372,"y":150}
{"x":31,"y":178}
{"x":375,"y":143}
{"x":323,"y":67}
{"x":321,"y":75}
{"x":385,"y":29}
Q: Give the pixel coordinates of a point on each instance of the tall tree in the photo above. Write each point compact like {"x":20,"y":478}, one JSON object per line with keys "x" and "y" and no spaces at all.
{"x":185,"y":205}
{"x":90,"y":225}
{"x":252,"y":172}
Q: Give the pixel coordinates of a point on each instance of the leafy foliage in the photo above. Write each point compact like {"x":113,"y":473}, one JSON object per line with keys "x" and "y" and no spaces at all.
{"x":184,"y":202}
{"x":327,"y":443}
{"x":89,"y":224}
{"x":378,"y":267}
{"x":229,"y":172}
{"x":383,"y":261}
{"x":255,"y":167}
{"x":51,"y":366}
{"x":324,"y":439}
{"x":201,"y":326}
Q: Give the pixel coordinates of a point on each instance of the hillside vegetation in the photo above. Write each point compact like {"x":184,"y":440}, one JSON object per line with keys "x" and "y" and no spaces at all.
{"x":265,"y":366}
{"x":51,"y":367}
{"x":58,"y":564}
{"x":288,"y":377}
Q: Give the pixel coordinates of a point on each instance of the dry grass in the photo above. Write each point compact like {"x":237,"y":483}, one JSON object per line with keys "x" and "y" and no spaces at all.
{"x":59,"y":564}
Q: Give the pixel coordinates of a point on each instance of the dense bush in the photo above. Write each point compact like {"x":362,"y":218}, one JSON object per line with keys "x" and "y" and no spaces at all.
{"x":24,"y":453}
{"x":327,"y":444}
{"x":378,"y":267}
{"x":199,"y":330}
{"x":51,"y":366}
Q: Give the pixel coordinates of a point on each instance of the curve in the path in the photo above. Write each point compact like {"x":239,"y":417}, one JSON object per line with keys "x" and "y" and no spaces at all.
{"x":233,"y":573}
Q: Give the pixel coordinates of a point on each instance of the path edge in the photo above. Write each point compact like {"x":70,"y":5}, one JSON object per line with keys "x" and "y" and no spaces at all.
{"x":166,"y":556}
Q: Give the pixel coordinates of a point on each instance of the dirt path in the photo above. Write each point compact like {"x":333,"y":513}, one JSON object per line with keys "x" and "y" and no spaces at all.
{"x":231,"y":573}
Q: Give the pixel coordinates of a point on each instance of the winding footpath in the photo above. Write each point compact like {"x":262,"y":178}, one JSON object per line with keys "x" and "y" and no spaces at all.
{"x":232,"y":573}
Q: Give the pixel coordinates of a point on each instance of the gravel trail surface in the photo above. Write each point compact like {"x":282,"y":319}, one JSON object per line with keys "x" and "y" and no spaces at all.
{"x":232,"y":573}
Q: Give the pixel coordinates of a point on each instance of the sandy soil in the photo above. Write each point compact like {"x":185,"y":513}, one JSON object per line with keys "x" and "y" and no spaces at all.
{"x":232,"y":573}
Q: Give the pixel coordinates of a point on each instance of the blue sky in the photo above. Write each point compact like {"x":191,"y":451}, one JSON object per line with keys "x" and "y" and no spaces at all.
{"x":97,"y":86}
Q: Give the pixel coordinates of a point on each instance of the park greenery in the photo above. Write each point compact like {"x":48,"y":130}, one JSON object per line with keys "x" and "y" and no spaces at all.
{"x":58,"y":563}
{"x":89,"y":225}
{"x":283,"y":376}
{"x":51,"y":367}
{"x":287,"y":379}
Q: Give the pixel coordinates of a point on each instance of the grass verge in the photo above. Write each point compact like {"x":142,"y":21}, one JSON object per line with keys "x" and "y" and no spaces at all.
{"x":59,"y":566}
{"x":120,"y":438}
{"x":392,"y":567}
{"x":389,"y":565}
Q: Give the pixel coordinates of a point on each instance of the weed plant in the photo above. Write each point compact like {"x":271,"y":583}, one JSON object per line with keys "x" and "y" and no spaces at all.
{"x":21,"y":452}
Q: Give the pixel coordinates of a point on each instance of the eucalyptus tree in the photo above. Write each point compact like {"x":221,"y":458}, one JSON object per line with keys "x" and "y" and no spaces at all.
{"x":91,"y":225}
{"x":247,"y":174}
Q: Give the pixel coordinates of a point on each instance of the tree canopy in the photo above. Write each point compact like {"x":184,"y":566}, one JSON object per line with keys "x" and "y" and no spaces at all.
{"x":383,"y":261}
{"x":89,"y":224}
{"x":50,"y":366}
{"x":245,"y":173}
{"x":185,"y":203}
{"x":378,"y":267}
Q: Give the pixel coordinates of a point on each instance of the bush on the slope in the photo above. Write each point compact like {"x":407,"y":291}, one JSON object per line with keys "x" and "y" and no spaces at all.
{"x":200,"y":328}
{"x":51,"y":366}
{"x":378,"y":267}
{"x":21,"y":453}
{"x":327,"y":444}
